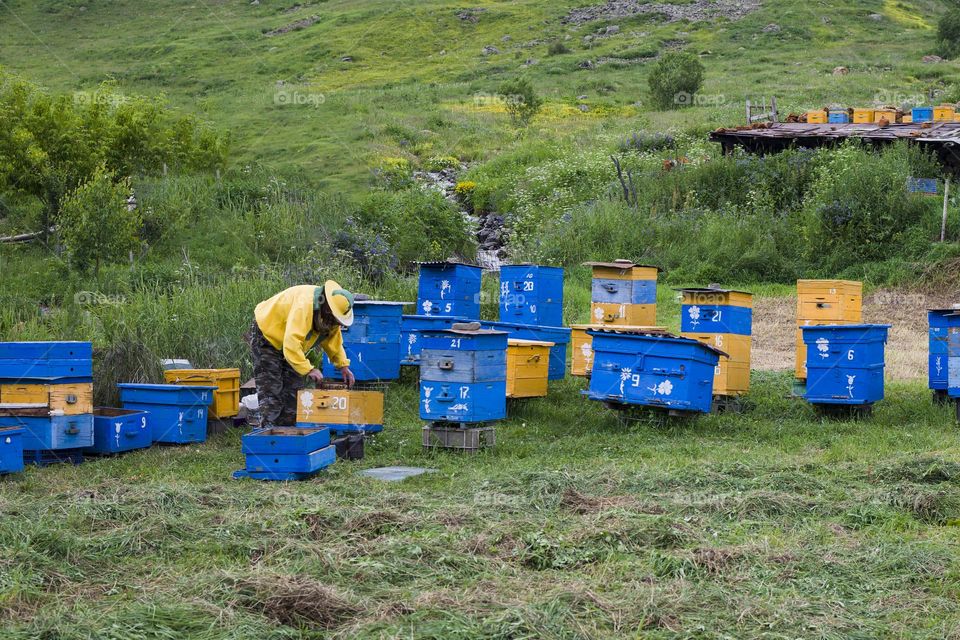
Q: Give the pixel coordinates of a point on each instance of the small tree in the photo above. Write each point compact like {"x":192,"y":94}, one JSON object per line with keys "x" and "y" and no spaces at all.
{"x":675,"y":80}
{"x":521,"y":99}
{"x":94,"y":223}
{"x":948,"y":33}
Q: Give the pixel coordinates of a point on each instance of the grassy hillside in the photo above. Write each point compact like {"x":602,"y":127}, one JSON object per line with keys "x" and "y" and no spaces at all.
{"x":417,"y":80}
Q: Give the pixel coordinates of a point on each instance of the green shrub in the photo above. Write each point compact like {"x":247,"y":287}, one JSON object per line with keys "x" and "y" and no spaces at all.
{"x":675,"y":79}
{"x":948,"y":33}
{"x":557,"y":48}
{"x":521,"y":99}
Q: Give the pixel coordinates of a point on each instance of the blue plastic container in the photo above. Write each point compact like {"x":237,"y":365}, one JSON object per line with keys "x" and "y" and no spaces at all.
{"x":614,"y":291}
{"x":652,"y":371}
{"x":559,"y":336}
{"x":531,"y":294}
{"x":177,"y":414}
{"x":922,"y":114}
{"x":838,"y":117}
{"x":940,"y":321}
{"x":55,"y":432}
{"x":449,"y":289}
{"x":845,"y":363}
{"x":11,"y":449}
{"x":119,"y":430}
{"x":716,"y":318}
{"x":411,"y":328}
{"x":463,"y":376}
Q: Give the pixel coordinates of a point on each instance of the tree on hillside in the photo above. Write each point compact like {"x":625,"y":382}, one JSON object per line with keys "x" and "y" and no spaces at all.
{"x":49,"y":145}
{"x":948,"y":33}
{"x":675,"y":80}
{"x":521,"y":100}
{"x":95,"y":225}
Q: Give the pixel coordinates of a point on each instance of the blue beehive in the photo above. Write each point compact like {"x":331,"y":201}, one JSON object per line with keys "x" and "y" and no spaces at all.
{"x":940,"y":320}
{"x":449,"y":289}
{"x":845,"y":363}
{"x":286,"y":453}
{"x":838,"y":117}
{"x":411,"y":328}
{"x":559,"y":336}
{"x":177,"y":414}
{"x":654,"y":370}
{"x":119,"y":430}
{"x":922,"y":114}
{"x":531,"y":294}
{"x":463,"y":376}
{"x":372,"y":343}
{"x":11,"y":449}
{"x":46,"y":361}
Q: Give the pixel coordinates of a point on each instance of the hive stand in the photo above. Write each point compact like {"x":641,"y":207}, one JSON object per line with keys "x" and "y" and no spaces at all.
{"x":462,"y":437}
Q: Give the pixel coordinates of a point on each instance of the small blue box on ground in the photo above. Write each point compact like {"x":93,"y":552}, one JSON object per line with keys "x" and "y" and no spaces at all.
{"x":11,"y":450}
{"x":286,"y":453}
{"x":119,"y":430}
{"x":845,"y":363}
{"x":531,"y":294}
{"x":656,"y":371}
{"x":177,"y":414}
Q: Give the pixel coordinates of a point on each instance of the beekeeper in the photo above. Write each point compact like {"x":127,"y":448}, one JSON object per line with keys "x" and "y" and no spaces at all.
{"x":284,"y":329}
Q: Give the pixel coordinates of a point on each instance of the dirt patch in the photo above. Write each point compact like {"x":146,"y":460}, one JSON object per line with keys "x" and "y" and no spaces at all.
{"x":696,"y":11}
{"x":293,"y":26}
{"x":584,"y":504}
{"x":774,"y":332}
{"x":295,"y":601}
{"x":714,"y":560}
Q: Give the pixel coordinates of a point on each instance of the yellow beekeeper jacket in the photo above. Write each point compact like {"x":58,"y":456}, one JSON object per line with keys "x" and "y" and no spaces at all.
{"x":286,"y":321}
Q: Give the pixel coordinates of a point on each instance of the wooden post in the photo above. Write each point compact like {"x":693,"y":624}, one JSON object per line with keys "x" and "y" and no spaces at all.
{"x":749,"y":112}
{"x":946,"y":196}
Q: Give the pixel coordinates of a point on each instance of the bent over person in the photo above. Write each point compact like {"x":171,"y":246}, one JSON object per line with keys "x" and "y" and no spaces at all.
{"x":284,"y":329}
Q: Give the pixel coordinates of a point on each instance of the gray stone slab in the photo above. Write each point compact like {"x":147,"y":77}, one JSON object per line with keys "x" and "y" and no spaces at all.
{"x":394,"y":474}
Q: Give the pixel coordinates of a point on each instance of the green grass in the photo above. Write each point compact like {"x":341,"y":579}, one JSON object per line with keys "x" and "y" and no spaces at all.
{"x":770,"y":523}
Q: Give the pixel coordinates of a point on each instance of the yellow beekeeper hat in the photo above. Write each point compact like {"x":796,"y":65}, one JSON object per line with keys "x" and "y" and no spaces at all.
{"x":340,"y":302}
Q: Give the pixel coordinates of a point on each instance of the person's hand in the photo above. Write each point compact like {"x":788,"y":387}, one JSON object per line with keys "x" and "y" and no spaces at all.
{"x":348,"y":376}
{"x":316,"y":376}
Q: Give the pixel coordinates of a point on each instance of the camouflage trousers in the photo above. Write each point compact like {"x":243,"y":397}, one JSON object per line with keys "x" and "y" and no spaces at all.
{"x":277,"y":382}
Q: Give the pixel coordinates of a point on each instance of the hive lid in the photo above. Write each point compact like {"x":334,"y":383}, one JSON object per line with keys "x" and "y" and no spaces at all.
{"x":443,"y":263}
{"x":620,"y":263}
{"x":953,"y":309}
{"x":710,"y":290}
{"x":530,"y":343}
{"x":473,"y":332}
{"x":655,"y":333}
{"x":849,"y":326}
{"x":655,"y":329}
{"x":531,"y":264}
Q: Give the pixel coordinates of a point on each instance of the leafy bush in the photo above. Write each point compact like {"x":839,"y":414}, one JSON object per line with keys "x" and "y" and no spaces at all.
{"x":522,"y":101}
{"x":557,"y":48}
{"x":948,"y":33}
{"x":643,"y":142}
{"x":94,"y":223}
{"x":675,"y":79}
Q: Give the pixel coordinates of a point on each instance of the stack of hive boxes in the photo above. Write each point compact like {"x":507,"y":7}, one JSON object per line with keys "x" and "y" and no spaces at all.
{"x":721,"y":318}
{"x":940,"y":321}
{"x":372,"y":342}
{"x":825,"y":302}
{"x":340,"y":410}
{"x":531,"y":309}
{"x":46,"y":389}
{"x":463,"y":384}
{"x":286,"y":453}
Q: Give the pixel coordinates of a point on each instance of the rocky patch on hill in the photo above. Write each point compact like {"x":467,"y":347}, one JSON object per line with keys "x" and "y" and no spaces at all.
{"x":696,"y":11}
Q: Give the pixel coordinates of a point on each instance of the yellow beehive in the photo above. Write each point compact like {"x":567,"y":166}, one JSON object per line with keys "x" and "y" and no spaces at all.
{"x":817,"y":116}
{"x":736,"y":346}
{"x":339,"y":406}
{"x":944,"y":113}
{"x":890,"y":115}
{"x":611,"y":313}
{"x":58,"y":399}
{"x":528,"y":367}
{"x":906,"y":118}
{"x":581,"y":342}
{"x":833,"y":300}
{"x":863,"y":116}
{"x":226,"y":399}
